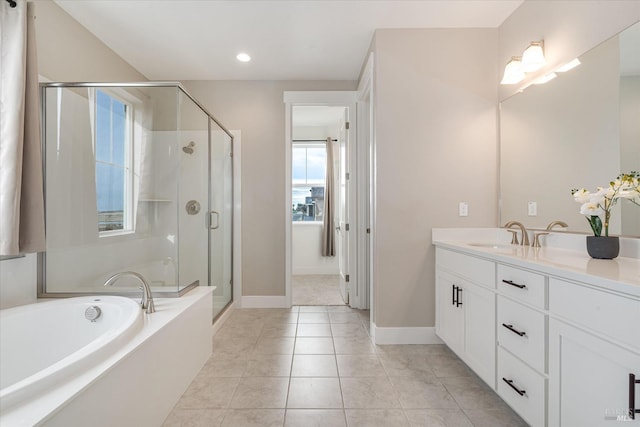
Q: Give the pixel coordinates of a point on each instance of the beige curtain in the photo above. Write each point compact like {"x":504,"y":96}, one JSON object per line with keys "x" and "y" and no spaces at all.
{"x":21,"y":196}
{"x":328,"y":228}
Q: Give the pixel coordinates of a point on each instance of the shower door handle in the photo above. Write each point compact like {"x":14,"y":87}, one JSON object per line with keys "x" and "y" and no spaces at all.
{"x":211,"y":226}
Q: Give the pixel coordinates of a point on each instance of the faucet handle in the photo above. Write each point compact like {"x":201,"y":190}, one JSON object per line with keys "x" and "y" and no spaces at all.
{"x":514,"y":237}
{"x":536,"y":239}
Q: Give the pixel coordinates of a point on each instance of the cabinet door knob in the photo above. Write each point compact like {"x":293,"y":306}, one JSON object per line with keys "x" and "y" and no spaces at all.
{"x":632,"y":396}
{"x":514,"y":330}
{"x":510,"y":383}
{"x":509,"y":282}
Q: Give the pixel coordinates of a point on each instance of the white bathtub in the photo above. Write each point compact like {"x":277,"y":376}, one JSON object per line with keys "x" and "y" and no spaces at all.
{"x":41,"y":344}
{"x":127,"y":368}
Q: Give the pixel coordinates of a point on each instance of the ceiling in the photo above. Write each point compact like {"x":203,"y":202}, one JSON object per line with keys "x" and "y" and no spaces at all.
{"x":287,"y":40}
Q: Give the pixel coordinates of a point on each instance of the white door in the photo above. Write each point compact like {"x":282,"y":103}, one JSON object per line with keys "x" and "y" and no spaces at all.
{"x":342,"y":217}
{"x":589,"y":379}
{"x":449,"y":312}
{"x":480,"y":331}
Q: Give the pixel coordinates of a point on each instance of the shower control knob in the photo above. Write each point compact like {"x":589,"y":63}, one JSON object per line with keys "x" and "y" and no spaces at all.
{"x":92,"y":313}
{"x":193,"y":207}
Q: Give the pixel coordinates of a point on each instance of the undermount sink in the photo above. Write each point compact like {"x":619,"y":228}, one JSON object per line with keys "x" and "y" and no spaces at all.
{"x":493,"y":245}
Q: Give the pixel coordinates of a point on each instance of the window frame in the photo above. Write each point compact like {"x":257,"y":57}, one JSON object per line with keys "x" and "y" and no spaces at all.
{"x":128,"y":223}
{"x":307,"y":183}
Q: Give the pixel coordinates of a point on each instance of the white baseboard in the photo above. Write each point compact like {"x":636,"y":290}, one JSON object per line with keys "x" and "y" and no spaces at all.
{"x":223,"y":318}
{"x":264,"y":302}
{"x":302,"y":271}
{"x":410,"y":335}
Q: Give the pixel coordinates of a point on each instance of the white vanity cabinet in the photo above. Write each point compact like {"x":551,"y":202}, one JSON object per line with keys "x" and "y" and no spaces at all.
{"x":557,"y":345}
{"x":465,"y":310}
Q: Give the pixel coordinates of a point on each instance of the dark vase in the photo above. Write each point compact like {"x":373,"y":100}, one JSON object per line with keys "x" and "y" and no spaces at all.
{"x":603,"y":247}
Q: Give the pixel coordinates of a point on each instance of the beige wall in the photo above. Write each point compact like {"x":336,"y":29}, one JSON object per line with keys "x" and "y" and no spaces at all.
{"x":569,"y":29}
{"x":67,"y":52}
{"x":257,"y":109}
{"x":435,"y":102}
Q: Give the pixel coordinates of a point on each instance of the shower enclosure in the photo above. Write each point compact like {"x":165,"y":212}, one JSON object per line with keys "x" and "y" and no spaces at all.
{"x":138,"y":177}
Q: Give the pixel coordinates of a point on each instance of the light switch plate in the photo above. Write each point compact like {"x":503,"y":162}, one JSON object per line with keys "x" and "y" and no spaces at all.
{"x":532,"y":208}
{"x":463,"y":209}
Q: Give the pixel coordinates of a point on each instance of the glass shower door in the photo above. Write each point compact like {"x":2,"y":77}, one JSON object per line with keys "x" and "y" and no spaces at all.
{"x":193,"y":151}
{"x":220,"y":218}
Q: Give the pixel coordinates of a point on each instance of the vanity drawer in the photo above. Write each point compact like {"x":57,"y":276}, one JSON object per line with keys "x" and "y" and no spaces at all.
{"x":526,"y":393}
{"x":521,"y":284}
{"x":522,"y":331}
{"x":610,"y":314}
{"x":476,"y":270}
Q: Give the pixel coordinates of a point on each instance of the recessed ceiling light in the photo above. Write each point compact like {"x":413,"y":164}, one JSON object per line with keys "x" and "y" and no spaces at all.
{"x":243,"y":57}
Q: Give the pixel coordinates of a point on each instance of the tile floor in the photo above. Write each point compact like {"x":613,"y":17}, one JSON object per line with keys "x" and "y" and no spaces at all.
{"x":316,"y":289}
{"x":315,"y":366}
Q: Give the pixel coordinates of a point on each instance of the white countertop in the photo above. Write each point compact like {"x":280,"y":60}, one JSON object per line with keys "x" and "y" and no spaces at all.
{"x":621,"y":274}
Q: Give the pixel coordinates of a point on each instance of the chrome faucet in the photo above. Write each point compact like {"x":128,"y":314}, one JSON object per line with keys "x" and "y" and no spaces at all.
{"x":558,"y":223}
{"x":523,"y":230}
{"x":147,"y":297}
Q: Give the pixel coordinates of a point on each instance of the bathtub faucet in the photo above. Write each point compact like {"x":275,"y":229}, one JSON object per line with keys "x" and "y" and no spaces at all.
{"x":147,"y":297}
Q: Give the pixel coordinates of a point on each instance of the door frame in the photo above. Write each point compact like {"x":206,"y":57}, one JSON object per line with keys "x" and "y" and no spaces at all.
{"x":311,"y":98}
{"x":366,"y":194}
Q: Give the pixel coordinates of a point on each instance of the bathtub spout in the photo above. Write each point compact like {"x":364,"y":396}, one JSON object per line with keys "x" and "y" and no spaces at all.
{"x":147,"y":297}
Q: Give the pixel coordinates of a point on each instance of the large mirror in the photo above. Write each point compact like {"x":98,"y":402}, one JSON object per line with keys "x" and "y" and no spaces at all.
{"x":581,"y":129}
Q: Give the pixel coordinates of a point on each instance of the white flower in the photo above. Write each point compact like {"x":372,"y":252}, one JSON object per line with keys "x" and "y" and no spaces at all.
{"x":591,"y":209}
{"x":582,"y":195}
{"x":627,"y":193}
{"x":602,"y":192}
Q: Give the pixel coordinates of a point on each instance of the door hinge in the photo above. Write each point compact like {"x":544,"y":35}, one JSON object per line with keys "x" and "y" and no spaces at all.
{"x":346,"y":278}
{"x":347,"y":176}
{"x":368,"y":230}
{"x":346,"y":125}
{"x":346,"y":227}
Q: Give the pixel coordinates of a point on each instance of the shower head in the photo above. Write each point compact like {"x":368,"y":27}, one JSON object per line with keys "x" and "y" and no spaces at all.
{"x":189,"y":148}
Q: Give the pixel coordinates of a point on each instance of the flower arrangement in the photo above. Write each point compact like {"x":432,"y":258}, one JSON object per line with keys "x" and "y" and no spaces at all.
{"x":597,"y":206}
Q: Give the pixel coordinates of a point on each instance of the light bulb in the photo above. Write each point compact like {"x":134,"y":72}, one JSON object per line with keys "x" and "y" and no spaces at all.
{"x":533,"y":57}
{"x":513,"y":72}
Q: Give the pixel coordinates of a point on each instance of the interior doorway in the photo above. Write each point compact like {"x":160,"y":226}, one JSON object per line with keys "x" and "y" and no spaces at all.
{"x":319,"y":242}
{"x":320,"y":141}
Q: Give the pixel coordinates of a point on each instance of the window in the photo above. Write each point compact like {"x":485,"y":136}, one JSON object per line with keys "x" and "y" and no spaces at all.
{"x":114,"y":172}
{"x":309,"y":166}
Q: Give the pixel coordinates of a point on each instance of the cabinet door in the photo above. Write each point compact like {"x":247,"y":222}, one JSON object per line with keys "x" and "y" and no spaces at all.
{"x":588,"y":378}
{"x":449,"y":315}
{"x":479,"y":331}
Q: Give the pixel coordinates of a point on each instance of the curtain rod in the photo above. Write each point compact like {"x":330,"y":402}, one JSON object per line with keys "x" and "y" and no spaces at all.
{"x":312,"y":140}
{"x":12,"y":3}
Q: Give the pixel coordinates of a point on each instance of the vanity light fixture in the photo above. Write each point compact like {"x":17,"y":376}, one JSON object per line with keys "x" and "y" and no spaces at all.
{"x":533,"y":57}
{"x":568,"y":66}
{"x":513,"y":72}
{"x":243,"y":57}
{"x":545,"y":78}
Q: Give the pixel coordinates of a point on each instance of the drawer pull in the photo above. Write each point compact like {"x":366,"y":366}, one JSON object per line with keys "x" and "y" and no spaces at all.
{"x":458,"y":292}
{"x":453,"y":294}
{"x":510,"y":383}
{"x":632,"y":396}
{"x":509,"y":282}
{"x":515,"y":331}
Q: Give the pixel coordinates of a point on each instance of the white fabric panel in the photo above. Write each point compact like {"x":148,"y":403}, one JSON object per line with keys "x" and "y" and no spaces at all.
{"x":21,"y":200}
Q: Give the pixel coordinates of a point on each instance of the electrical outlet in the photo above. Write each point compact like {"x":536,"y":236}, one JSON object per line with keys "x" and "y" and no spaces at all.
{"x":463,"y":209}
{"x":532,"y":209}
